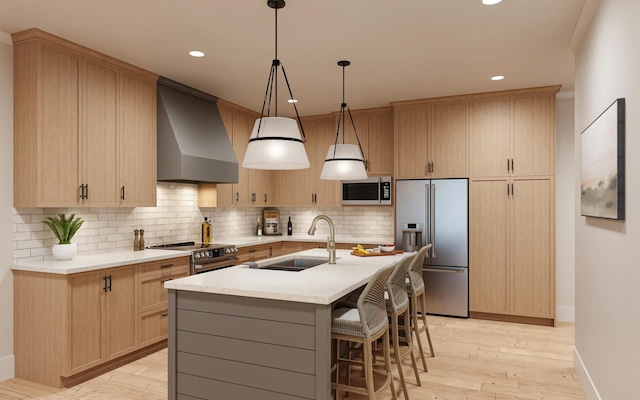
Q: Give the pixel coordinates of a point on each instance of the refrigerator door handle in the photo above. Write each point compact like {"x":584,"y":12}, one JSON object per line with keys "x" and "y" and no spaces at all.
{"x":427,"y":216}
{"x":432,"y":219}
{"x":446,"y":271}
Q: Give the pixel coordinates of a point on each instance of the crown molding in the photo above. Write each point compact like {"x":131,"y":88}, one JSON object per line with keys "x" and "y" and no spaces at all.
{"x":5,"y":38}
{"x":588,"y":11}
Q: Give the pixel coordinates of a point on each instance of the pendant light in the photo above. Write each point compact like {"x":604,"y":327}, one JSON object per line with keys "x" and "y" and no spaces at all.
{"x":344,"y":161}
{"x":275,"y":142}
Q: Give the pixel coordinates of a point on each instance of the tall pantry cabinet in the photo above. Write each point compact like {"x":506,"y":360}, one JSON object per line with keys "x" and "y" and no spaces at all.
{"x":511,"y":205}
{"x":84,"y":126}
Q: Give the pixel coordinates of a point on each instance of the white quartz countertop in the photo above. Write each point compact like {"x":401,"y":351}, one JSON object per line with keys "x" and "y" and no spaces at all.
{"x":98,"y":261}
{"x":244,"y":241}
{"x":322,"y":284}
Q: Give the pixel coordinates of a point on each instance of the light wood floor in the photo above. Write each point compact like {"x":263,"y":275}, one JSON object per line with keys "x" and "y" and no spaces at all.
{"x":475,"y":360}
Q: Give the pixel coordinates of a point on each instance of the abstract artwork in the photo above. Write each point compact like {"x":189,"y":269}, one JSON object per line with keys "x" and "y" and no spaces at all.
{"x":602,"y":172}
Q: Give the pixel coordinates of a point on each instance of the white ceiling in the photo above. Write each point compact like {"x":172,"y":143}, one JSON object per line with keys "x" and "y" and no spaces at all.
{"x":399,"y":49}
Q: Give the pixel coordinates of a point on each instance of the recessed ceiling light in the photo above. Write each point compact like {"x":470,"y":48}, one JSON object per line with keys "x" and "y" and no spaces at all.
{"x":196,"y":53}
{"x":490,"y":2}
{"x":292,"y":101}
{"x":497,"y":78}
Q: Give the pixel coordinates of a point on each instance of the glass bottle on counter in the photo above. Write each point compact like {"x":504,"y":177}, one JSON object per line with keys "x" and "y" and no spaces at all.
{"x":206,"y":231}
{"x":259,"y":228}
{"x":289,"y":227}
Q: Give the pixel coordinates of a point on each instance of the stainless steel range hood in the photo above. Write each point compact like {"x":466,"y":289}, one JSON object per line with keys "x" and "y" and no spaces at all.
{"x":193,"y":145}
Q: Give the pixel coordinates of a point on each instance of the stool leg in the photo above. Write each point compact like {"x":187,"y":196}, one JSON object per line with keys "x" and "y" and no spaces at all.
{"x":414,"y":319}
{"x":387,"y":362}
{"x":337,"y":367}
{"x":396,"y":352}
{"x":407,"y":332}
{"x":368,"y":368}
{"x":424,"y":321}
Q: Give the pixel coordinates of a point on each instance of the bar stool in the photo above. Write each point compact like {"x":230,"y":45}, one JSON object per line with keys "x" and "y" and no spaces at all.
{"x":415,"y":288}
{"x":364,"y":325}
{"x":398,"y":305}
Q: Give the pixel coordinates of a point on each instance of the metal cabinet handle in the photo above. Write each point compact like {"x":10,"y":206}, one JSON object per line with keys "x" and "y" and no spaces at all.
{"x":512,"y":169}
{"x":166,"y":265}
{"x":165,"y":280}
{"x":508,"y":167}
{"x":104,"y":279}
{"x":164,"y":315}
{"x":253,"y":197}
{"x":512,"y":191}
{"x":122,"y":192}
{"x":508,"y":191}
{"x":265,"y":197}
{"x":237,"y":197}
{"x":109,"y":282}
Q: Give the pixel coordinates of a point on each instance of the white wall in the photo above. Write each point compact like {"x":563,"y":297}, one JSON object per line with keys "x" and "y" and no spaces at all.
{"x":565,"y":208}
{"x":6,"y":210}
{"x":607,"y":346}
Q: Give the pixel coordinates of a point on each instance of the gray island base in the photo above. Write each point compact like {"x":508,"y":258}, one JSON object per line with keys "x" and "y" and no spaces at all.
{"x":242,"y":333}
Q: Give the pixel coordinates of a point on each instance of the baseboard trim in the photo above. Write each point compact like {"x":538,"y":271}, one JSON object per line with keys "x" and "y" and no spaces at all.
{"x":587,"y":384}
{"x":7,"y":368}
{"x":512,"y":318}
{"x":566,"y":314}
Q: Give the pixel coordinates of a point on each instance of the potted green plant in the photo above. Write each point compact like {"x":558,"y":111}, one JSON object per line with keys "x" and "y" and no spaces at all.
{"x":64,"y":228}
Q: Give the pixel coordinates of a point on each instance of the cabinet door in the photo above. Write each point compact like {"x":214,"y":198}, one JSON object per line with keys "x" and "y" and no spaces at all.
{"x":532,"y":279}
{"x":448,"y":140}
{"x":86,"y":340}
{"x":282,"y":188}
{"x":380,"y":144}
{"x":242,"y":126}
{"x":534,"y":135}
{"x":99,"y":140}
{"x":261,"y":187}
{"x":120,"y":312}
{"x":489,"y":138}
{"x":224,"y":192}
{"x":59,"y":143}
{"x":137,"y":138}
{"x":153,"y":327}
{"x":327,"y":192}
{"x":411,"y":141}
{"x":488,"y":246}
{"x":304,"y":179}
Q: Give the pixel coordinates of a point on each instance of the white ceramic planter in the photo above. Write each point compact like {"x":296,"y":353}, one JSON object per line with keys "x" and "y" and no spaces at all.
{"x":64,"y":251}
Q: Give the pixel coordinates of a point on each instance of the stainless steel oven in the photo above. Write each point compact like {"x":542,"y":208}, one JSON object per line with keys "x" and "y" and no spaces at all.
{"x":205,"y":257}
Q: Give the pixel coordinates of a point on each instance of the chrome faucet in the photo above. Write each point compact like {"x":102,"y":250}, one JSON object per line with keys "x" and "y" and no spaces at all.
{"x":331,"y":240}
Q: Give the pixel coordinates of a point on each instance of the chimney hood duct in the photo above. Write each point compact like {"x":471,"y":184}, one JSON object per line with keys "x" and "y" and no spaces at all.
{"x":193,"y":145}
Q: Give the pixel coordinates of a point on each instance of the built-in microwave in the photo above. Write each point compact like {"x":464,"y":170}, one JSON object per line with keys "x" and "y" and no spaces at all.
{"x":370,"y":191}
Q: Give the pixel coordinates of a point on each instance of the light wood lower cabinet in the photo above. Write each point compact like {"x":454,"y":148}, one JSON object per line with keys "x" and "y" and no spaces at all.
{"x":66,"y":325}
{"x":511,"y":254}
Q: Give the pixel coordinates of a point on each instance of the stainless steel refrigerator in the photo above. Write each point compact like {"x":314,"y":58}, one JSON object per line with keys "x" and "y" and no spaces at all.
{"x":440,"y":207}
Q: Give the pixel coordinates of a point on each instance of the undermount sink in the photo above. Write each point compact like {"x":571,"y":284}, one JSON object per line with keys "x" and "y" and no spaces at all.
{"x":294,"y":264}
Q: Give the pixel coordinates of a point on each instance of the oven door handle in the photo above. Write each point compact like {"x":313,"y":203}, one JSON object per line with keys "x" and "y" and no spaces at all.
{"x":226,"y":262}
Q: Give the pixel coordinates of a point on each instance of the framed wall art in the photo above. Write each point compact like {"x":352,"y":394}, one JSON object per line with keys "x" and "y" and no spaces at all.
{"x":602,"y":170}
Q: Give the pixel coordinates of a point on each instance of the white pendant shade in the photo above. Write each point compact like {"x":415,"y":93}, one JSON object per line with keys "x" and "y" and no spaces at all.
{"x":279,"y":145}
{"x":344,"y":164}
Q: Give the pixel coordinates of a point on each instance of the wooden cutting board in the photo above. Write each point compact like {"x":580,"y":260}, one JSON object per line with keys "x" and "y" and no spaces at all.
{"x":391,"y":253}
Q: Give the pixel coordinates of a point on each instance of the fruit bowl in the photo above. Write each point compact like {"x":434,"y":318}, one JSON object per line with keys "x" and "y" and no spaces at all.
{"x":387,"y":248}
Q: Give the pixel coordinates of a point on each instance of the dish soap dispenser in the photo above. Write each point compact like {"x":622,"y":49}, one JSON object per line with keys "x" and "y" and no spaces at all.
{"x":206,"y":231}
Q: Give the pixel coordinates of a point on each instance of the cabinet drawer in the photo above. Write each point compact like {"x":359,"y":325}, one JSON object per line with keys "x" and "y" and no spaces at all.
{"x":152,"y":292}
{"x":254,"y":253}
{"x":164,"y":267}
{"x":153,"y":327}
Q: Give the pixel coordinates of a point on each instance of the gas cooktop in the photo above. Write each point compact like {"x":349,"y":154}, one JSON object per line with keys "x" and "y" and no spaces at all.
{"x":186,"y":246}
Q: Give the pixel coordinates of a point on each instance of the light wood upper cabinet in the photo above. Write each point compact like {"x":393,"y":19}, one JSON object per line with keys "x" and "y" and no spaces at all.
{"x":431,"y":139}
{"x":489,"y":138}
{"x":448,"y":140}
{"x":80,"y":117}
{"x":138,"y":141}
{"x":308,"y":188}
{"x":379,"y":155}
{"x":412,"y":141}
{"x":99,"y":138}
{"x":534,"y":135}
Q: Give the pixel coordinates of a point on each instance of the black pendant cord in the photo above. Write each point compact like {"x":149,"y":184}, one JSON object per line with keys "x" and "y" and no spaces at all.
{"x":342,"y":119}
{"x":272,"y":81}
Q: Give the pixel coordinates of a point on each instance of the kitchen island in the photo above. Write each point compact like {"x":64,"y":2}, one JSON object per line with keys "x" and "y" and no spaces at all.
{"x":255,"y":333}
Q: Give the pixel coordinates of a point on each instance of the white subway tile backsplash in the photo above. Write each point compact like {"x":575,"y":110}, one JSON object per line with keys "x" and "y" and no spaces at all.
{"x":178,"y":218}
